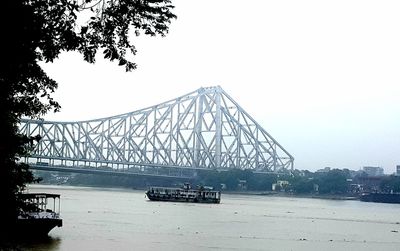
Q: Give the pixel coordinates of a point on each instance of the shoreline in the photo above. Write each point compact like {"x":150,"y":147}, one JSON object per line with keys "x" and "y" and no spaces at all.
{"x":280,"y":194}
{"x":256,"y":193}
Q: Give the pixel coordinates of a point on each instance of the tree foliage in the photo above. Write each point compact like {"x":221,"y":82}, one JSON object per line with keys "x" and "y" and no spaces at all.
{"x":302,"y":185}
{"x":34,"y":31}
{"x":333,"y":182}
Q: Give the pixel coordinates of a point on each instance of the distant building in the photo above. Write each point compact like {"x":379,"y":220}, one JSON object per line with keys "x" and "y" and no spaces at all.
{"x":316,"y":188}
{"x":373,"y":170}
{"x":370,"y":183}
{"x":242,"y":185}
{"x":398,"y":170}
{"x":280,"y":185}
{"x":324,"y":170}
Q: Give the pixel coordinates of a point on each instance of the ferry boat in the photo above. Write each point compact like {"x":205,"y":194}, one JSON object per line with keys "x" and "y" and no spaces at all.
{"x":184,"y":194}
{"x":41,"y":216}
{"x":381,"y":197}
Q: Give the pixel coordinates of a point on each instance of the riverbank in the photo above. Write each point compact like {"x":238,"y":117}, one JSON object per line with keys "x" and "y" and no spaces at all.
{"x":258,"y":193}
{"x":282,"y":194}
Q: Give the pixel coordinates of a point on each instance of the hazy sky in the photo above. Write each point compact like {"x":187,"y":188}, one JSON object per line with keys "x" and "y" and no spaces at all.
{"x":322,"y":77}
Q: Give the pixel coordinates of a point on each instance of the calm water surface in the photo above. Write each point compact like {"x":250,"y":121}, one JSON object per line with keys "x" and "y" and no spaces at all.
{"x":123,"y":219}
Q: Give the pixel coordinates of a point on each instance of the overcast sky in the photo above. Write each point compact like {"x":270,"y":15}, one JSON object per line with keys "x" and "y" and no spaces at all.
{"x":322,"y":77}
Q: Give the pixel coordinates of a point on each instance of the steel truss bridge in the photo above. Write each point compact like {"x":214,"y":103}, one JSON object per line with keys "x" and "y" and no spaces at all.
{"x":203,"y":130}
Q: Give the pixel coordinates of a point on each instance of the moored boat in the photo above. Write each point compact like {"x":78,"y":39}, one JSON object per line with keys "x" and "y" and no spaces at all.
{"x":184,"y":194}
{"x":380,"y":197}
{"x":40,"y":215}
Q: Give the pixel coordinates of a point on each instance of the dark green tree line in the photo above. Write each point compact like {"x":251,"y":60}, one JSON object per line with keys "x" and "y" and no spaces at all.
{"x":333,"y":182}
{"x":34,"y":31}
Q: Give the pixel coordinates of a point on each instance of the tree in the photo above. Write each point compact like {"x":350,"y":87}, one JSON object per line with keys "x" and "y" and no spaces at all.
{"x":303,"y":185}
{"x":34,"y":31}
{"x":334,"y":182}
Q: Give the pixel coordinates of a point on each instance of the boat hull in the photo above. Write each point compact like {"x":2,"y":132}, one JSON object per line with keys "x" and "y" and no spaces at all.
{"x":37,"y":227}
{"x":381,"y":198}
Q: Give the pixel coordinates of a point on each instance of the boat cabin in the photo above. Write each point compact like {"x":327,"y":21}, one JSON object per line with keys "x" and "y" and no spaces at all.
{"x":185,"y":194}
{"x":41,"y":205}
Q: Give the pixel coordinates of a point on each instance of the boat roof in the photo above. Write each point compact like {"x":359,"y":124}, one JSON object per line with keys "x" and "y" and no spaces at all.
{"x":36,"y":195}
{"x":180,"y":188}
{"x":175,"y":188}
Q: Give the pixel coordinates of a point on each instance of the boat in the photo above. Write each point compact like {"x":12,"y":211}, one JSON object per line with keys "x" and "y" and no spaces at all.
{"x":40,"y":216}
{"x":184,"y":194}
{"x":380,"y":197}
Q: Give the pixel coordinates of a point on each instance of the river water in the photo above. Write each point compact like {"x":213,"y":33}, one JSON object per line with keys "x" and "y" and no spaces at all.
{"x":123,"y":219}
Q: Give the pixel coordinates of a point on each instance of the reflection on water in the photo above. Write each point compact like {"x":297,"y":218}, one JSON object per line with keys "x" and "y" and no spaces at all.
{"x":42,"y":244}
{"x":123,"y":219}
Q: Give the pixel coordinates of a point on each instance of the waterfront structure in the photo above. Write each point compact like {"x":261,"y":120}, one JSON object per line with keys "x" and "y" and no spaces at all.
{"x":41,"y":217}
{"x":381,"y":197}
{"x":203,"y":130}
{"x":280,"y":185}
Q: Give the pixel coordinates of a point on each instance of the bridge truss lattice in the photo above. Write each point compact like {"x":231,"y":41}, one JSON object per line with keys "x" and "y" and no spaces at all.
{"x":205,"y":129}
